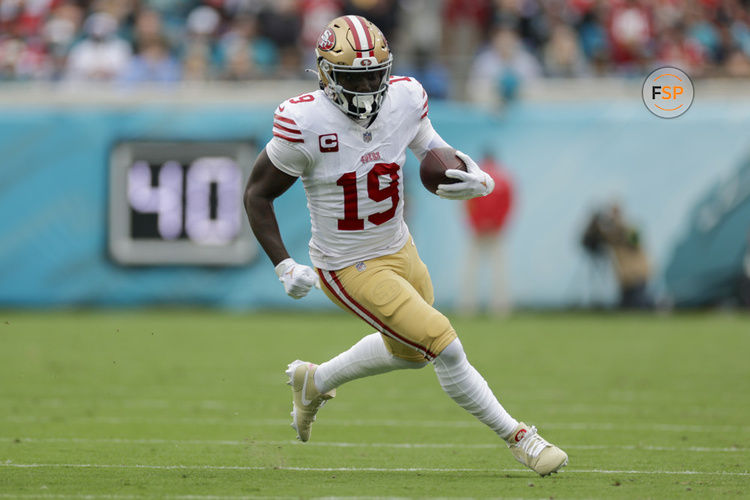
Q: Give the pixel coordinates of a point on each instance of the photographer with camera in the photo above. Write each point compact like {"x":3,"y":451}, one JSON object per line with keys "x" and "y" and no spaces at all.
{"x":608,"y":234}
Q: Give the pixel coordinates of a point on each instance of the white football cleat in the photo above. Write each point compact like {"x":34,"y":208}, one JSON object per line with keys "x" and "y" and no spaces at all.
{"x":306,"y":400}
{"x":535,"y":452}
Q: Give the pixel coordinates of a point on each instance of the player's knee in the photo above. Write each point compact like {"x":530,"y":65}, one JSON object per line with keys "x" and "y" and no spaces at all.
{"x":453,"y":353}
{"x":439,"y":330}
{"x":404,"y":354}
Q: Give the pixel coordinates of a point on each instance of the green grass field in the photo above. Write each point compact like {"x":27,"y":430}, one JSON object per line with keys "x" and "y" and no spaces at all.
{"x":177,"y":404}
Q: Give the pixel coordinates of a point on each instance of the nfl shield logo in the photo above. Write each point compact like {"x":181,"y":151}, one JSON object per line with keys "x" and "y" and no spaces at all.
{"x":367,"y":136}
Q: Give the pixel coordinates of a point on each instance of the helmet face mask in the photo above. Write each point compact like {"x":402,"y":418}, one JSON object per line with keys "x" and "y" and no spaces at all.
{"x":358,"y":92}
{"x":354,"y":65}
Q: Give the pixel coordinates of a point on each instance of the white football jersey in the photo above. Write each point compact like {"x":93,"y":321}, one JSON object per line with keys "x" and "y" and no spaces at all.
{"x":352,"y":175}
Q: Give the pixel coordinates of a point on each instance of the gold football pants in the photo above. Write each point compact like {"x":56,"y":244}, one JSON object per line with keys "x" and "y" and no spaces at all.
{"x":394,"y":295}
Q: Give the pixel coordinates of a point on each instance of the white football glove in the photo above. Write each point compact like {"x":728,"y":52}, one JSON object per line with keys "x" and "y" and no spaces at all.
{"x":473,"y":183}
{"x":298,"y":279}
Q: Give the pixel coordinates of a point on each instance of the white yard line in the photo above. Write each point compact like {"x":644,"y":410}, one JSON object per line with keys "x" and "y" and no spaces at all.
{"x":93,"y":496}
{"x":104,"y":496}
{"x":203,"y":404}
{"x":374,"y":423}
{"x":234,"y":405}
{"x":334,"y":444}
{"x":357,"y":469}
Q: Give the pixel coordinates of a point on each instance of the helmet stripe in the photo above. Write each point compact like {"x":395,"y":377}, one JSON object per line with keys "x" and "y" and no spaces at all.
{"x":370,"y":43}
{"x":360,"y":32}
{"x":355,"y":35}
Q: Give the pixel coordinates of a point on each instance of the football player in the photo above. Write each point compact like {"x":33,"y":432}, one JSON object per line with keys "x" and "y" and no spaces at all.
{"x":347,"y":142}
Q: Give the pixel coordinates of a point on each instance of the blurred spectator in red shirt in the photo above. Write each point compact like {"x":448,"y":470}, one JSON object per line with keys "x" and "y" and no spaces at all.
{"x":488,"y":216}
{"x":630,"y":31}
{"x":25,"y":18}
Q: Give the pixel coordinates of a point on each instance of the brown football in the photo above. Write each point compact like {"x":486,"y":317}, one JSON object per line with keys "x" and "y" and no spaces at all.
{"x":435,"y":163}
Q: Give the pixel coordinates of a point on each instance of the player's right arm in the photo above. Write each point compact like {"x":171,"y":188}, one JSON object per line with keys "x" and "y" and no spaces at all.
{"x":284,"y":158}
{"x":266,"y":183}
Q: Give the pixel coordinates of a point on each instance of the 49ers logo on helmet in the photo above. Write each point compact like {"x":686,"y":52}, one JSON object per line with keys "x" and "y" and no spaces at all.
{"x":327,"y":40}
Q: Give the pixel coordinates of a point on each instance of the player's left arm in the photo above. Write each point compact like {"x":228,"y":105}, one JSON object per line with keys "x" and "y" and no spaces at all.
{"x":471,"y":184}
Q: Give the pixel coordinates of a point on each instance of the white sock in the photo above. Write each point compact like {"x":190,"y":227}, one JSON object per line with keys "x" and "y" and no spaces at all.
{"x":367,"y":357}
{"x":468,"y":388}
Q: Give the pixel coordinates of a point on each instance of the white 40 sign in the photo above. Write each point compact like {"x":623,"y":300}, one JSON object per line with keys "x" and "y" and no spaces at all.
{"x":203,"y":200}
{"x":180,"y":203}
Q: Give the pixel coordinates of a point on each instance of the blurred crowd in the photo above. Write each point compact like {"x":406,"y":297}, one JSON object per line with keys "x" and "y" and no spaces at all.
{"x":453,"y":46}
